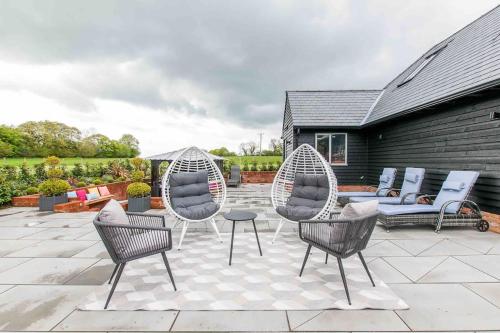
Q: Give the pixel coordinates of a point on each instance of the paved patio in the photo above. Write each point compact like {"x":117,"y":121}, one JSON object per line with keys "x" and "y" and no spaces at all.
{"x":50,"y":262}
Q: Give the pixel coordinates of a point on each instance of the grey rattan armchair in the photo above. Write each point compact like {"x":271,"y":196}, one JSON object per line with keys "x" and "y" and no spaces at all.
{"x":341,"y":238}
{"x":145,"y":235}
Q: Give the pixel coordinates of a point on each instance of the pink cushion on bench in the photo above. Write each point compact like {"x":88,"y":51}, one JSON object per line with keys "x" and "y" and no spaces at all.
{"x":103,"y":190}
{"x":81,"y":194}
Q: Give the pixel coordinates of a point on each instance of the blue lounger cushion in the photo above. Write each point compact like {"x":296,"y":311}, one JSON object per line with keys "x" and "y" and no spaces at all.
{"x":457,"y":186}
{"x":356,"y":194}
{"x":407,"y":209}
{"x":381,"y":200}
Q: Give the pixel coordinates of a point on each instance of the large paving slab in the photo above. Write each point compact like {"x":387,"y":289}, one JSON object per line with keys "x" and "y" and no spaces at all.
{"x":414,"y":267}
{"x":337,"y":320}
{"x":231,"y":321}
{"x":53,"y":249}
{"x":385,"y":248}
{"x":9,"y":246}
{"x":138,"y":321}
{"x":446,"y":307}
{"x":8,"y":263}
{"x":453,"y":270}
{"x":489,"y":264}
{"x":58,"y":233}
{"x":96,"y":274}
{"x":449,"y":248}
{"x":45,"y":271}
{"x":416,"y":246}
{"x":38,"y":308}
{"x":386,"y":272}
{"x":489,"y":291}
{"x":17,"y":232}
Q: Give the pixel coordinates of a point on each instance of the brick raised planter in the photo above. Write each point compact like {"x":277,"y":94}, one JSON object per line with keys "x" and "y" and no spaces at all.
{"x":256,"y":177}
{"x":118,"y":190}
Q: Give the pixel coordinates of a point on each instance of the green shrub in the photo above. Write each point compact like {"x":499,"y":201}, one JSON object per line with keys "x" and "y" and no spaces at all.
{"x":107,"y":179}
{"x":121,"y":179}
{"x":77,"y":171}
{"x":137,"y":162}
{"x":55,"y":173}
{"x":254,"y":166}
{"x":54,"y":187}
{"x":32,"y":190}
{"x":138,"y":190}
{"x":80,"y":184}
{"x":52,"y":161}
{"x":40,"y":173}
{"x":97,"y":181}
{"x":137,"y":176}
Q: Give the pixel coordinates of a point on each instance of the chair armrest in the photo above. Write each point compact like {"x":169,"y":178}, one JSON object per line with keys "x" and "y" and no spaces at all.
{"x":472,"y":205}
{"x":141,"y":219}
{"x":389,"y":189}
{"x":431,"y":197}
{"x":124,"y":241}
{"x":416,"y":194}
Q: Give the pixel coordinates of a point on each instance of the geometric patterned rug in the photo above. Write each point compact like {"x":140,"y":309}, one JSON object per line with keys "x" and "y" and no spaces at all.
{"x":205,"y":281}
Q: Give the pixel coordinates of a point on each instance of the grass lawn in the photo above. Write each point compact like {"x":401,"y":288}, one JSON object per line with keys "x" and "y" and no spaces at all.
{"x":241,"y":160}
{"x":69,"y":161}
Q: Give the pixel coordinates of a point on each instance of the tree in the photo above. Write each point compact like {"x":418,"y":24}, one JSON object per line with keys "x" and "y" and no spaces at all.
{"x":276,"y":146}
{"x":248,"y":148}
{"x":46,"y":138}
{"x":12,"y":142}
{"x":222,"y":151}
{"x":131,"y":143}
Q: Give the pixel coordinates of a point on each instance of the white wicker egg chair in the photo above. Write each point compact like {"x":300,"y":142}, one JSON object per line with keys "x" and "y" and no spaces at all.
{"x":192,"y":160}
{"x":307,"y":161}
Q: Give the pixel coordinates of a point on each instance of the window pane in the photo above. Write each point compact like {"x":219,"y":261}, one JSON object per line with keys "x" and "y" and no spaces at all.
{"x":322,"y":145}
{"x":338,"y":149}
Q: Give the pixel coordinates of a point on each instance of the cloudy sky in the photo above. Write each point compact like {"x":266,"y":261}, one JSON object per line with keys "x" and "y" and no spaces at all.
{"x":205,"y":73}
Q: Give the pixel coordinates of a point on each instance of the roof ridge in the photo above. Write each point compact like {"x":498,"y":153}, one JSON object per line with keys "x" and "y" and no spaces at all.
{"x":337,"y":90}
{"x":438,"y":43}
{"x":371,"y":108}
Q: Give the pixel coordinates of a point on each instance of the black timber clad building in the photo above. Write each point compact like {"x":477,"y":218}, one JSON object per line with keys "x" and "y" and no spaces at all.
{"x":442,"y":113}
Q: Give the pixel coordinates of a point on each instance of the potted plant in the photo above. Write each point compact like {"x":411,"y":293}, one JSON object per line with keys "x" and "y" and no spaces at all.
{"x":138,"y":192}
{"x":54,"y":190}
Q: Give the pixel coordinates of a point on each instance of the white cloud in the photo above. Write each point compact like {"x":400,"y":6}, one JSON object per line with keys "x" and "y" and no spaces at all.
{"x":212,"y":74}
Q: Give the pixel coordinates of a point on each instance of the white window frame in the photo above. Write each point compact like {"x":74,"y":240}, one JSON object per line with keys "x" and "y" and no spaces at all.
{"x":330,"y":147}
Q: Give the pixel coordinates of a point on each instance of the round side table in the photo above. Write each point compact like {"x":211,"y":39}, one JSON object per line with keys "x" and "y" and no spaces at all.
{"x":237,"y":216}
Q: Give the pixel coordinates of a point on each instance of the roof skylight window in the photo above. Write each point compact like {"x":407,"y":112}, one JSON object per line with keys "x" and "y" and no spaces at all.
{"x":419,"y":68}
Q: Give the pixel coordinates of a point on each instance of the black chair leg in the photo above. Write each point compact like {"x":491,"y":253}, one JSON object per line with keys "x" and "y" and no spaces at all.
{"x":165,"y":260}
{"x":257,"y":236}
{"x":326,"y":258}
{"x":343,"y":279}
{"x":305,"y":259}
{"x":118,"y":275}
{"x":366,"y":267}
{"x":113,"y":274}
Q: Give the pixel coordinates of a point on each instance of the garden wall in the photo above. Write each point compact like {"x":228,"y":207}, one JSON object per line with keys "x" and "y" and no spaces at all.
{"x":118,"y":189}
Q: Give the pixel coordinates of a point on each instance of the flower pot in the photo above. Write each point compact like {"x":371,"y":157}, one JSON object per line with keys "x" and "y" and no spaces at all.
{"x":47,"y":203}
{"x":139,"y":204}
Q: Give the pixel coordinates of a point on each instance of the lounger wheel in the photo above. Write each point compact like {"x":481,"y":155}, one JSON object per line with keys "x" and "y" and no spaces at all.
{"x":483,"y":226}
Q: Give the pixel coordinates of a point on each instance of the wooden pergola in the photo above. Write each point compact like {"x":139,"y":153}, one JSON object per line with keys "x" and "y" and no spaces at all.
{"x":156,"y":160}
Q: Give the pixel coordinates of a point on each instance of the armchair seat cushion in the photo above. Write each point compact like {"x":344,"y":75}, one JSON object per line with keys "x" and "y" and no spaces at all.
{"x":297,"y":213}
{"x":190,"y":195}
{"x":309,"y":196}
{"x":198,"y":212}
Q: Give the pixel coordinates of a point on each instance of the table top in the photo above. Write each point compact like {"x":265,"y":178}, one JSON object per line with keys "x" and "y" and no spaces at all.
{"x":239,"y":215}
